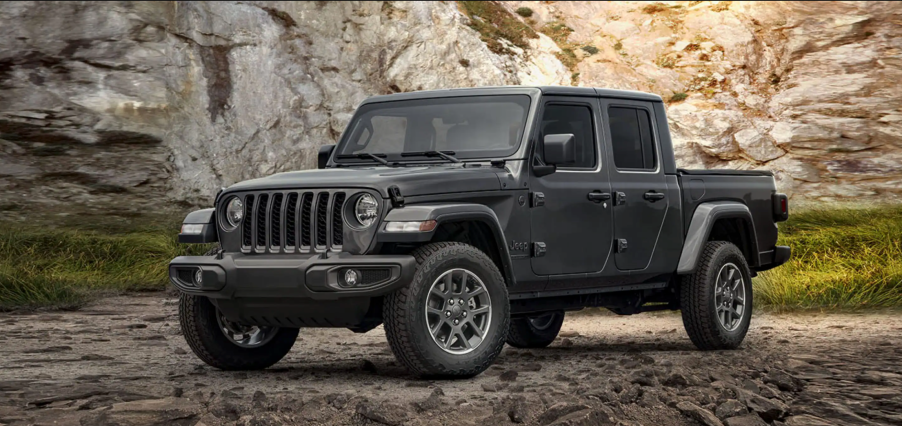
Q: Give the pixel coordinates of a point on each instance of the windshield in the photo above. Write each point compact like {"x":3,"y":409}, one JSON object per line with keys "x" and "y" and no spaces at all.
{"x":467,"y":127}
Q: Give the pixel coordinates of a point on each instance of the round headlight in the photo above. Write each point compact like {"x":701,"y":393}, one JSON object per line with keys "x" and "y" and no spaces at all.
{"x":366,"y":210}
{"x":234,"y":213}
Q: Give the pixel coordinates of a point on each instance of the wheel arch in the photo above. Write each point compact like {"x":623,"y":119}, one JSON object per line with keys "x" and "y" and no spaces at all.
{"x":723,"y":221}
{"x":475,"y":224}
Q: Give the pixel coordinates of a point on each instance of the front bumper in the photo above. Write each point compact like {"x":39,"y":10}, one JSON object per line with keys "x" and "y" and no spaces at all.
{"x":315,"y":277}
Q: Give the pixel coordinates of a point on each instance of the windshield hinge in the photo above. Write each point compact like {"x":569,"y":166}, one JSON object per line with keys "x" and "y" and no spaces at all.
{"x":397,"y":200}
{"x":498,"y":163}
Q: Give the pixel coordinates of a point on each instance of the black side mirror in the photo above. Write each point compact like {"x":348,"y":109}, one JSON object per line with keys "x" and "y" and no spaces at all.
{"x":560,"y":149}
{"x":325,"y":152}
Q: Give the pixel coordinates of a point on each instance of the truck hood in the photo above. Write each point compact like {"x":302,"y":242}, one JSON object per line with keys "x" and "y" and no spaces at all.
{"x":412,"y":181}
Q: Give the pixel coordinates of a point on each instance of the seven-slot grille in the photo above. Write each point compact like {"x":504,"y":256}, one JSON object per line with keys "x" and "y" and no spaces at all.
{"x":290,"y":222}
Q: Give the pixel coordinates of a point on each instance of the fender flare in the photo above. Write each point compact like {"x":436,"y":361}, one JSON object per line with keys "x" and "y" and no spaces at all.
{"x":703,"y":219}
{"x":446,"y":213}
{"x":205,"y":217}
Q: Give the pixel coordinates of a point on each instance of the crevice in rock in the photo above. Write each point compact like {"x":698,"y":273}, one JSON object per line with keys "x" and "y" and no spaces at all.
{"x":219,"y":78}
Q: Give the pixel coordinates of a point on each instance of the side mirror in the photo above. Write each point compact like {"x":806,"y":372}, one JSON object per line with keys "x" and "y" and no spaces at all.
{"x":559,"y":149}
{"x":325,"y":152}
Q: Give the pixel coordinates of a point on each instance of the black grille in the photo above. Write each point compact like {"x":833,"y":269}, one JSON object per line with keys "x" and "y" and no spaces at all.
{"x":275,"y":221}
{"x":261,"y":220}
{"x":293,"y":222}
{"x":306,"y":205}
{"x":248,"y":221}
{"x":371,"y":276}
{"x":337,"y":224}
{"x":291,"y":217}
{"x":322,"y":204}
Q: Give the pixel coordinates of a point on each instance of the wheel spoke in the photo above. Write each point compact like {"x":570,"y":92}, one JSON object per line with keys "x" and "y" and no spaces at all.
{"x":438,"y":326}
{"x":734,"y":313}
{"x":476,"y":330}
{"x":464,"y":340}
{"x":431,"y":310}
{"x":476,"y":292}
{"x":736,"y":285}
{"x":480,"y":310}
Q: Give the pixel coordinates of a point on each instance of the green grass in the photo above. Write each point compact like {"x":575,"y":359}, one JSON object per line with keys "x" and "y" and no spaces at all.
{"x":841,"y":259}
{"x":66,"y":267}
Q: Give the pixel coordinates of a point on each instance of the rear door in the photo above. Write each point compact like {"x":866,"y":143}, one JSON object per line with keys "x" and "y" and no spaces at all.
{"x":637,"y":180}
{"x":573,"y":229}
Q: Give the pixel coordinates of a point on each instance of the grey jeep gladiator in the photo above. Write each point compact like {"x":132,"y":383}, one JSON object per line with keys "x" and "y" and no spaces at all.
{"x":464,"y":219}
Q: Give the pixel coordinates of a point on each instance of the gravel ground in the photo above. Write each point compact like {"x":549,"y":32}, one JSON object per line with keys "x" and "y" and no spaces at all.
{"x":123,"y":361}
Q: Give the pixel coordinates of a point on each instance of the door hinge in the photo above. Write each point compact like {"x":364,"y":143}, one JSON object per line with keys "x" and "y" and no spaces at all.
{"x":621,"y":245}
{"x":538,"y":249}
{"x":619,"y":198}
{"x":537,"y":199}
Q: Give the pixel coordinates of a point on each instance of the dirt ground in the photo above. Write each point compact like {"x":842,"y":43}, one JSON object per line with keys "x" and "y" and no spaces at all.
{"x":123,"y":361}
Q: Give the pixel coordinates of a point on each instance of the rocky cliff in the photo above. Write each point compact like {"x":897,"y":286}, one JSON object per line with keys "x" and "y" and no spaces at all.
{"x":117,"y":107}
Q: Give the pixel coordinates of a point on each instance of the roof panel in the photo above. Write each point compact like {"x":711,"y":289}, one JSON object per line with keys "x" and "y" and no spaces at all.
{"x":510,"y":90}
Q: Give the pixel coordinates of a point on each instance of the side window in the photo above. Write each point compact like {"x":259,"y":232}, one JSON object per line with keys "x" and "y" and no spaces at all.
{"x":575,"y":119}
{"x":631,"y":138}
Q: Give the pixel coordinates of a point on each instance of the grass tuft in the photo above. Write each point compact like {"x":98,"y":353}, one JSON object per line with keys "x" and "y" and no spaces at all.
{"x":842,"y":259}
{"x":678,"y":97}
{"x":524,"y":12}
{"x":494,"y":22}
{"x":65,"y":267}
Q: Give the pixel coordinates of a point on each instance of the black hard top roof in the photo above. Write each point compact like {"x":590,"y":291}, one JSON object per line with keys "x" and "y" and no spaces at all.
{"x":517,"y":90}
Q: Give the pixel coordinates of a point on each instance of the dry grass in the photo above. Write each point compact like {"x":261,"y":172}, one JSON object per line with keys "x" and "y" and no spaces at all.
{"x":842,"y":259}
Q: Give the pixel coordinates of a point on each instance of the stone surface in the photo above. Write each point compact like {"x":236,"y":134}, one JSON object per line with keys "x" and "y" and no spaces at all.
{"x":699,"y":414}
{"x":133,"y":105}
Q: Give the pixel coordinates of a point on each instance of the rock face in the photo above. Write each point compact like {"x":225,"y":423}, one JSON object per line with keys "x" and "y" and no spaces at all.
{"x":123,"y":106}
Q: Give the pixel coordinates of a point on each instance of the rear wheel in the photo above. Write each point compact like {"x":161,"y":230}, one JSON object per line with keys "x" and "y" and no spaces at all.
{"x":716,"y":301}
{"x":228,"y":345}
{"x":452,"y":320}
{"x":537,"y":331}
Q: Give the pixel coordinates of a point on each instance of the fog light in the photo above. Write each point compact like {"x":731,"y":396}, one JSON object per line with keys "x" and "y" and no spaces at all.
{"x":351,"y":277}
{"x":199,"y":276}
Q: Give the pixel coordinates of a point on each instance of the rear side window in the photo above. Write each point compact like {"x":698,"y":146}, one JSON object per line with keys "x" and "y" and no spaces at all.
{"x":577,"y":120}
{"x":631,"y":138}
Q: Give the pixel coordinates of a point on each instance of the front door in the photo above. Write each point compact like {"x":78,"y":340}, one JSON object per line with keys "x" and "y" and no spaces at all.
{"x":572,"y":228}
{"x":637,"y":180}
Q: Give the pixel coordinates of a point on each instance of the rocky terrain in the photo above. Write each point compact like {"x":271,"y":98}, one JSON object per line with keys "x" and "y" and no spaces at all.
{"x":123,"y":362}
{"x":117,"y":107}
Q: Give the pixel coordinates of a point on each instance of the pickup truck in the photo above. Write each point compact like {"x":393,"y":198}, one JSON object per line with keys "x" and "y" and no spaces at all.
{"x":464,"y":219}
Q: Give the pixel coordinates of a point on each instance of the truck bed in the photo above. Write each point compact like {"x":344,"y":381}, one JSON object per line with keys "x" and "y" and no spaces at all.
{"x":754,"y":188}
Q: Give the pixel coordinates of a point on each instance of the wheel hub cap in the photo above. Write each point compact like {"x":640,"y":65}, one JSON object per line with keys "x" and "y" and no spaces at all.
{"x":729,"y":297}
{"x":458,"y":311}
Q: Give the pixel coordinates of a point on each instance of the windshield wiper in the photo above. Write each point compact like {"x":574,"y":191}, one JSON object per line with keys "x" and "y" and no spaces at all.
{"x":367,"y":155}
{"x":447,"y":155}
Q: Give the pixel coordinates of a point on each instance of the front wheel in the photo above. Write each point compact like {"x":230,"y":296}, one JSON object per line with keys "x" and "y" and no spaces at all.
{"x":452,"y":320}
{"x":227,"y":345}
{"x":537,"y":331}
{"x":716,"y":301}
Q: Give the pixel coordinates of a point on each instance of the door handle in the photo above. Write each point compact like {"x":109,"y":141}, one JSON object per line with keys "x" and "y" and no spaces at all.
{"x":654,"y":196}
{"x":597,"y":197}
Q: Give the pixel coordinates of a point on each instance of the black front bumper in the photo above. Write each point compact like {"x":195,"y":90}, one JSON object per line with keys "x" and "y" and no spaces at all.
{"x":292,"y":290}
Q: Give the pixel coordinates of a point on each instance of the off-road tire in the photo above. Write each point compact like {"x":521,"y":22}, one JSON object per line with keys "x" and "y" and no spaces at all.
{"x":405,"y":323}
{"x":523,"y":334}
{"x":197,"y":317}
{"x":697,"y":298}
